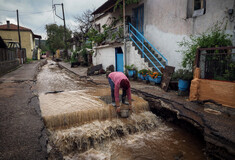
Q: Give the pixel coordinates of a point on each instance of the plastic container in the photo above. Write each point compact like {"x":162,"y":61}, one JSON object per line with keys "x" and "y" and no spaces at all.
{"x":131,"y":73}
{"x":124,"y":113}
{"x":183,"y":85}
{"x":156,"y":80}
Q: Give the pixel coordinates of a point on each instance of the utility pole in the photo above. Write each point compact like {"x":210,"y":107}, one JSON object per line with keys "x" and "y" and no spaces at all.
{"x":66,"y":49}
{"x":124,"y":31}
{"x":18,"y":28}
{"x":66,"y":52}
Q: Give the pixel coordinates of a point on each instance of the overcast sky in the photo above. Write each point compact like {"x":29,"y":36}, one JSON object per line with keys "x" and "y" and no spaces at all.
{"x":35,"y":14}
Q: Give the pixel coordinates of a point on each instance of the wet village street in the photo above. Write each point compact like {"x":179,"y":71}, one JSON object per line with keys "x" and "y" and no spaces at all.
{"x":142,"y":136}
{"x":63,"y":63}
{"x":57,"y":114}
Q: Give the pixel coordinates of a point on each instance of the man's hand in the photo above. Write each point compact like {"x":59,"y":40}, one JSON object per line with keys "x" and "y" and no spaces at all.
{"x":118,"y":109}
{"x":130,"y":104}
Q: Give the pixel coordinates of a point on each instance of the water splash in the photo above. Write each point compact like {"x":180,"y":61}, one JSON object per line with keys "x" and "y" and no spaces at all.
{"x":73,"y":108}
{"x":98,"y":133}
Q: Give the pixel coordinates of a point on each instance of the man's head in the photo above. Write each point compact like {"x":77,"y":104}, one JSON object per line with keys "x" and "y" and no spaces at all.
{"x":125,"y":84}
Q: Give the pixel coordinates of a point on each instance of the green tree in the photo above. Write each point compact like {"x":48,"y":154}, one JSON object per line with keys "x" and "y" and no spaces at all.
{"x":213,"y":37}
{"x":55,"y":36}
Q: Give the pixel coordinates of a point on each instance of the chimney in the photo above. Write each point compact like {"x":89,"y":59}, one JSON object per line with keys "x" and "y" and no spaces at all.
{"x":8,"y":24}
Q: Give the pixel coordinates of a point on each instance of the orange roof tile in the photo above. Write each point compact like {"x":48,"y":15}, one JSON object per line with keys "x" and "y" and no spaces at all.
{"x":13,"y":27}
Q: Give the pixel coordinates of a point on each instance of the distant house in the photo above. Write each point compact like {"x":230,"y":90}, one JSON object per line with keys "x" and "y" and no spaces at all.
{"x":160,"y":25}
{"x":9,"y":33}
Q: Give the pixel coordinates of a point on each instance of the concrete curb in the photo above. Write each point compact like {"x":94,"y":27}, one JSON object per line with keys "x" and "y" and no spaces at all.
{"x":40,"y":64}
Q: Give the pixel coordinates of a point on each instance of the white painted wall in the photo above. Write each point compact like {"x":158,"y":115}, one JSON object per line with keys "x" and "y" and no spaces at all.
{"x":166,"y":43}
{"x":134,"y":58}
{"x":104,"y":19}
{"x":105,"y":56}
{"x":166,"y":24}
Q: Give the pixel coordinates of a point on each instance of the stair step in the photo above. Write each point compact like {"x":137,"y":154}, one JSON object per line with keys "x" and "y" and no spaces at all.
{"x":155,"y":70}
{"x":157,"y":64}
{"x":152,"y":59}
{"x":150,"y":56}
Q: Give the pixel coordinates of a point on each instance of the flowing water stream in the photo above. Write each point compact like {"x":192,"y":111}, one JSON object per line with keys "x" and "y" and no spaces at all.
{"x":141,"y":136}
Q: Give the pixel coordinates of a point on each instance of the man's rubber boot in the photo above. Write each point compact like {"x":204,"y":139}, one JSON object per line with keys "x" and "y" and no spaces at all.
{"x":124,"y":101}
{"x":113,"y":102}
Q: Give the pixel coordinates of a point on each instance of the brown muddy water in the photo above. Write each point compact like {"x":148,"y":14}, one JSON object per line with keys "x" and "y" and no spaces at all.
{"x":142,"y":136}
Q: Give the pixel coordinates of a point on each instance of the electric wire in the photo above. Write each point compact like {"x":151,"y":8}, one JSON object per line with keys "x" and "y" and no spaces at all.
{"x":43,"y":24}
{"x":25,"y":12}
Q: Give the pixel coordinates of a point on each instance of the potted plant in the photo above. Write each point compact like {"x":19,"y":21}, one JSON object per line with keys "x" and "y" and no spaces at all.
{"x":184,"y":77}
{"x":131,"y":70}
{"x":74,"y":59}
{"x":155,"y":77}
{"x":143,"y":74}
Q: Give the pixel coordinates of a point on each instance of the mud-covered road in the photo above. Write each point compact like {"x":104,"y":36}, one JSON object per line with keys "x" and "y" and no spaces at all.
{"x":22,"y":132}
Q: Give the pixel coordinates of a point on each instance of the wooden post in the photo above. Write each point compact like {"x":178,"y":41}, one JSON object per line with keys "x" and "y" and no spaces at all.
{"x":198,"y":58}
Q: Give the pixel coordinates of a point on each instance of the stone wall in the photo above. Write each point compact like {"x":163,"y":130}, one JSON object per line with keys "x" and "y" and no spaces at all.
{"x":6,"y":66}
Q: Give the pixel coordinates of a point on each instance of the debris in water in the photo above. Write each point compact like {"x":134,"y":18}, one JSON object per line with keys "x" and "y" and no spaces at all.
{"x":212,"y":111}
{"x":53,"y":92}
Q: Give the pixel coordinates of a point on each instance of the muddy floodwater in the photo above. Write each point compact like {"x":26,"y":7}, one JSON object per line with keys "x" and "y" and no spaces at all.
{"x":142,"y":136}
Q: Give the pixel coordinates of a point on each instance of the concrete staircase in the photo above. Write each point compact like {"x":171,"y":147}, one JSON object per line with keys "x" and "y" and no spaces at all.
{"x":150,"y":56}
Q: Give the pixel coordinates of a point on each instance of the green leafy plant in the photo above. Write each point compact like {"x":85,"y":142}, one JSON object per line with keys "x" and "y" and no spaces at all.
{"x":182,"y":74}
{"x":28,"y":60}
{"x":131,"y":67}
{"x":74,"y":57}
{"x":144,"y":72}
{"x":214,"y":37}
{"x":118,"y":4}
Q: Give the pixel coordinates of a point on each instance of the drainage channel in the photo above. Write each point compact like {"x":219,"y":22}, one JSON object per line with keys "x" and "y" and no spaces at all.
{"x":83,"y":125}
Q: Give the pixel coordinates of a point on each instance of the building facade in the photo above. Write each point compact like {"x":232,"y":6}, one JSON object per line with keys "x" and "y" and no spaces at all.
{"x":163,"y":23}
{"x":9,"y":33}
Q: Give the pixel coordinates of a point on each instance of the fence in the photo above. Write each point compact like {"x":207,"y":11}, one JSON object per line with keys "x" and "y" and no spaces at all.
{"x":216,"y":63}
{"x":214,"y":76}
{"x":13,"y":54}
{"x":7,"y":55}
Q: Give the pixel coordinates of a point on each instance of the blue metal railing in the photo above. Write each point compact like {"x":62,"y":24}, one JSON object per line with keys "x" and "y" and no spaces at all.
{"x":140,"y":38}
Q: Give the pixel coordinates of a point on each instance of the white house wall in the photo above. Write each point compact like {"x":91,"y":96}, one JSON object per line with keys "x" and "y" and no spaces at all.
{"x":104,"y":56}
{"x":134,"y":58}
{"x":104,"y":19}
{"x":166,"y":24}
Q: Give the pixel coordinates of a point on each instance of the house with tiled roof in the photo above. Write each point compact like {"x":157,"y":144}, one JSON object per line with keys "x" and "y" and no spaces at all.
{"x":9,"y":33}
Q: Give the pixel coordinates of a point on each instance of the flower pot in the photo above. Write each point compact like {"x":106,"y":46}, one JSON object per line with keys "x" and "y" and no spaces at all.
{"x":158,"y":79}
{"x":140,"y":76}
{"x":155,"y":80}
{"x":183,"y":85}
{"x":131,"y":73}
{"x":147,"y":77}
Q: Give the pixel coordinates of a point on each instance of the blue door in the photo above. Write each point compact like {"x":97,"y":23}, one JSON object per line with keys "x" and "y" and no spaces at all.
{"x":139,"y":20}
{"x":119,"y":59}
{"x":119,"y":62}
